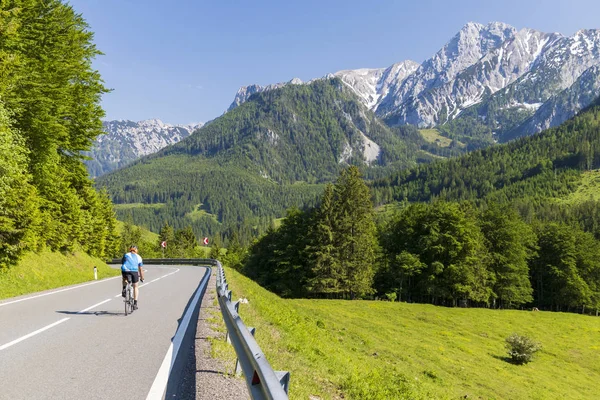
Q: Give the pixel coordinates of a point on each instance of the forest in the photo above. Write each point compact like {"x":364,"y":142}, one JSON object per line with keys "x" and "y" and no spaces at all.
{"x":494,"y":228}
{"x":49,"y":113}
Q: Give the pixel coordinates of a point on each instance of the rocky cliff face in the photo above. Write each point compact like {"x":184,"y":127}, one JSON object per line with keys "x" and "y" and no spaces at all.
{"x":501,"y":75}
{"x":126,"y":141}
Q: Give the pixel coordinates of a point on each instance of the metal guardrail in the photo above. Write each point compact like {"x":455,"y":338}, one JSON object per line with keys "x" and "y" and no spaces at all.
{"x":173,"y":261}
{"x":262,"y":381}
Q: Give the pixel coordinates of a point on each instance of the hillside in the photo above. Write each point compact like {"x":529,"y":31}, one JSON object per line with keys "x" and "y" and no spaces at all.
{"x":273,"y":152}
{"x":381,"y":350}
{"x":548,"y":164}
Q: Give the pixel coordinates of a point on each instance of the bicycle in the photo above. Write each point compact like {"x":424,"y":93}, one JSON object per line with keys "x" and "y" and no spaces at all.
{"x":129,"y":301}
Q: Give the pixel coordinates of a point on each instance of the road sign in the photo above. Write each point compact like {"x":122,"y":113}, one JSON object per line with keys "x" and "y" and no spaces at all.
{"x":163,"y":244}
{"x":205,"y":241}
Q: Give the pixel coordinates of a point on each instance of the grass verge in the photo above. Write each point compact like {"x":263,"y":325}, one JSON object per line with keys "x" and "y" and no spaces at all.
{"x":381,"y":350}
{"x":48,"y":270}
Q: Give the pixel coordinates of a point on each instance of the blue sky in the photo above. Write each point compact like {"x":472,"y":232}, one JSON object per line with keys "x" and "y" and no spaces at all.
{"x":182,"y":61}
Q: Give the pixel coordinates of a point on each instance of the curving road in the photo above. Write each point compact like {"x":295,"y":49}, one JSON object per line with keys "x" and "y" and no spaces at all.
{"x":77,"y":343}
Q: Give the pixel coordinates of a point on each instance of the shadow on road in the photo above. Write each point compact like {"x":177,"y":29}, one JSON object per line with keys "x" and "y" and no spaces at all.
{"x":96,"y":313}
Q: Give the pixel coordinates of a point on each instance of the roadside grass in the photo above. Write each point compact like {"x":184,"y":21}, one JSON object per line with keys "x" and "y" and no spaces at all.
{"x":48,"y":270}
{"x":381,"y":350}
{"x":219,"y":348}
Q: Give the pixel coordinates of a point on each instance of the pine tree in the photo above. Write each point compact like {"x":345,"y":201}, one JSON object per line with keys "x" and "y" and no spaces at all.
{"x":19,"y":215}
{"x":325,"y":269}
{"x":354,"y":233}
{"x":167,"y":235}
{"x":215,"y":249}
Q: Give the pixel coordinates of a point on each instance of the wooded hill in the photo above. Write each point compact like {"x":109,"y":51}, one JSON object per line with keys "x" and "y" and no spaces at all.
{"x":529,"y":172}
{"x":248,"y":166}
{"x":495,"y":228}
{"x":49,"y":113}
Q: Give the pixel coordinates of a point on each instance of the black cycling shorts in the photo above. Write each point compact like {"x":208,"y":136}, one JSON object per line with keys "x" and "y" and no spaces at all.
{"x":134,"y":276}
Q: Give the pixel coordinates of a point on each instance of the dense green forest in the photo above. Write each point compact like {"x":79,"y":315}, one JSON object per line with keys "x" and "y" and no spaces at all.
{"x":277,"y":150}
{"x":49,"y":113}
{"x":493,"y":228}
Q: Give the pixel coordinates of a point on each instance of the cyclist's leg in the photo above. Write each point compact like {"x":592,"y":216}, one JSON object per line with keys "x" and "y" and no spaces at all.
{"x":124,"y":282}
{"x":135,"y":278}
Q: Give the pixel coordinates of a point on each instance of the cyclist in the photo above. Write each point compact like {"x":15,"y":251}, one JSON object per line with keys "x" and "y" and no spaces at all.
{"x":132,"y":267}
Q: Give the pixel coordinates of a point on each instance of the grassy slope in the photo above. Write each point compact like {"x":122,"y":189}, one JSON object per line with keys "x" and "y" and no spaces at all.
{"x":48,"y":270}
{"x":382,"y":350}
{"x":588,"y":189}
{"x":147,"y":236}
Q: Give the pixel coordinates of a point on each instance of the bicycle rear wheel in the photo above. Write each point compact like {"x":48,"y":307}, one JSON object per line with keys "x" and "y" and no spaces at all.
{"x":127,"y":300}
{"x":131,"y":299}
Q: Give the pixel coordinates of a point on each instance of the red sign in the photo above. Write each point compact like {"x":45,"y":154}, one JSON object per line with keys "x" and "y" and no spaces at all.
{"x":163,"y":244}
{"x":205,"y":241}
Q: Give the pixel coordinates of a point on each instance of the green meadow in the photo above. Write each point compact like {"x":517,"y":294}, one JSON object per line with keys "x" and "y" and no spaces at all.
{"x":434,"y":136}
{"x":48,"y":270}
{"x":381,"y":350}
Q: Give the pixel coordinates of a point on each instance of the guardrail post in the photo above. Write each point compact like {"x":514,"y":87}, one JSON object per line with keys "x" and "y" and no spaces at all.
{"x":284,"y":379}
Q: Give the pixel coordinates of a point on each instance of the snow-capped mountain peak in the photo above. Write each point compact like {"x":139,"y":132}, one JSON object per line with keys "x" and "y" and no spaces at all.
{"x":125,"y":141}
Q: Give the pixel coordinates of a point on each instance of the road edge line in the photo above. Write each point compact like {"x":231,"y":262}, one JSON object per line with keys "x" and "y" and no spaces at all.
{"x":159,"y":386}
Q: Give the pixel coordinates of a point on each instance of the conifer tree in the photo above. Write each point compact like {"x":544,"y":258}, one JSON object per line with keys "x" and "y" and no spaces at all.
{"x":325,"y":269}
{"x":354,"y":233}
{"x":167,"y":234}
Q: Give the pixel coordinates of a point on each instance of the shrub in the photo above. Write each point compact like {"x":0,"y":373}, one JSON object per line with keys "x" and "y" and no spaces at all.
{"x":521,"y":348}
{"x":391,"y":296}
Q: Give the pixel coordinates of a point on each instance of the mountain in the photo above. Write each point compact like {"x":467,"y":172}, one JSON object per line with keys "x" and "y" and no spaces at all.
{"x":467,"y":47}
{"x":564,"y":105}
{"x":484,"y":85}
{"x":528,"y":171}
{"x":244,"y":93}
{"x":248,"y":166}
{"x":126,"y":141}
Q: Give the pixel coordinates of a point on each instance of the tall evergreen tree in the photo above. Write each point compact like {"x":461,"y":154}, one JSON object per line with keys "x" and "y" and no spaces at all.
{"x":167,"y":234}
{"x":354,"y":233}
{"x":19,"y":215}
{"x":326,"y":277}
{"x":52,"y":94}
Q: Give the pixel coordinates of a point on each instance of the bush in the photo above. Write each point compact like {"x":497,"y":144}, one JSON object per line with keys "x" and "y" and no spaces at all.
{"x":391,"y":296}
{"x":521,"y":348}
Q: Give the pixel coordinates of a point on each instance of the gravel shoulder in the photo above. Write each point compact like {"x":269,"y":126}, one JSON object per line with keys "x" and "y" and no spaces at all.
{"x":205,"y":377}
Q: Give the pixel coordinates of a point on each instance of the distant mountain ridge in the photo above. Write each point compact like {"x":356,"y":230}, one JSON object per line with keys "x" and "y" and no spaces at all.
{"x":493,"y":76}
{"x":126,"y":141}
{"x":274,"y":151}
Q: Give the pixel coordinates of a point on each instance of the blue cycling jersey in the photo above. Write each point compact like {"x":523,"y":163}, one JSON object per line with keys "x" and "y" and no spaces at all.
{"x":131,"y":262}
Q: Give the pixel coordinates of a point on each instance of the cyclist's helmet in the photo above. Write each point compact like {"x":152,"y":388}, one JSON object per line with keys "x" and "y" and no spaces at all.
{"x":133,"y":247}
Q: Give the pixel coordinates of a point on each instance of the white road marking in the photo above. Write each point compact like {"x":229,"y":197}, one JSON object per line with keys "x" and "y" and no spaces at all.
{"x":147,"y":283}
{"x":57,"y":291}
{"x":7,"y":345}
{"x":160,"y":382}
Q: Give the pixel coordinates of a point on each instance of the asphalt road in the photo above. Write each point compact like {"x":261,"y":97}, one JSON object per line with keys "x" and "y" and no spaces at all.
{"x":78,"y":344}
